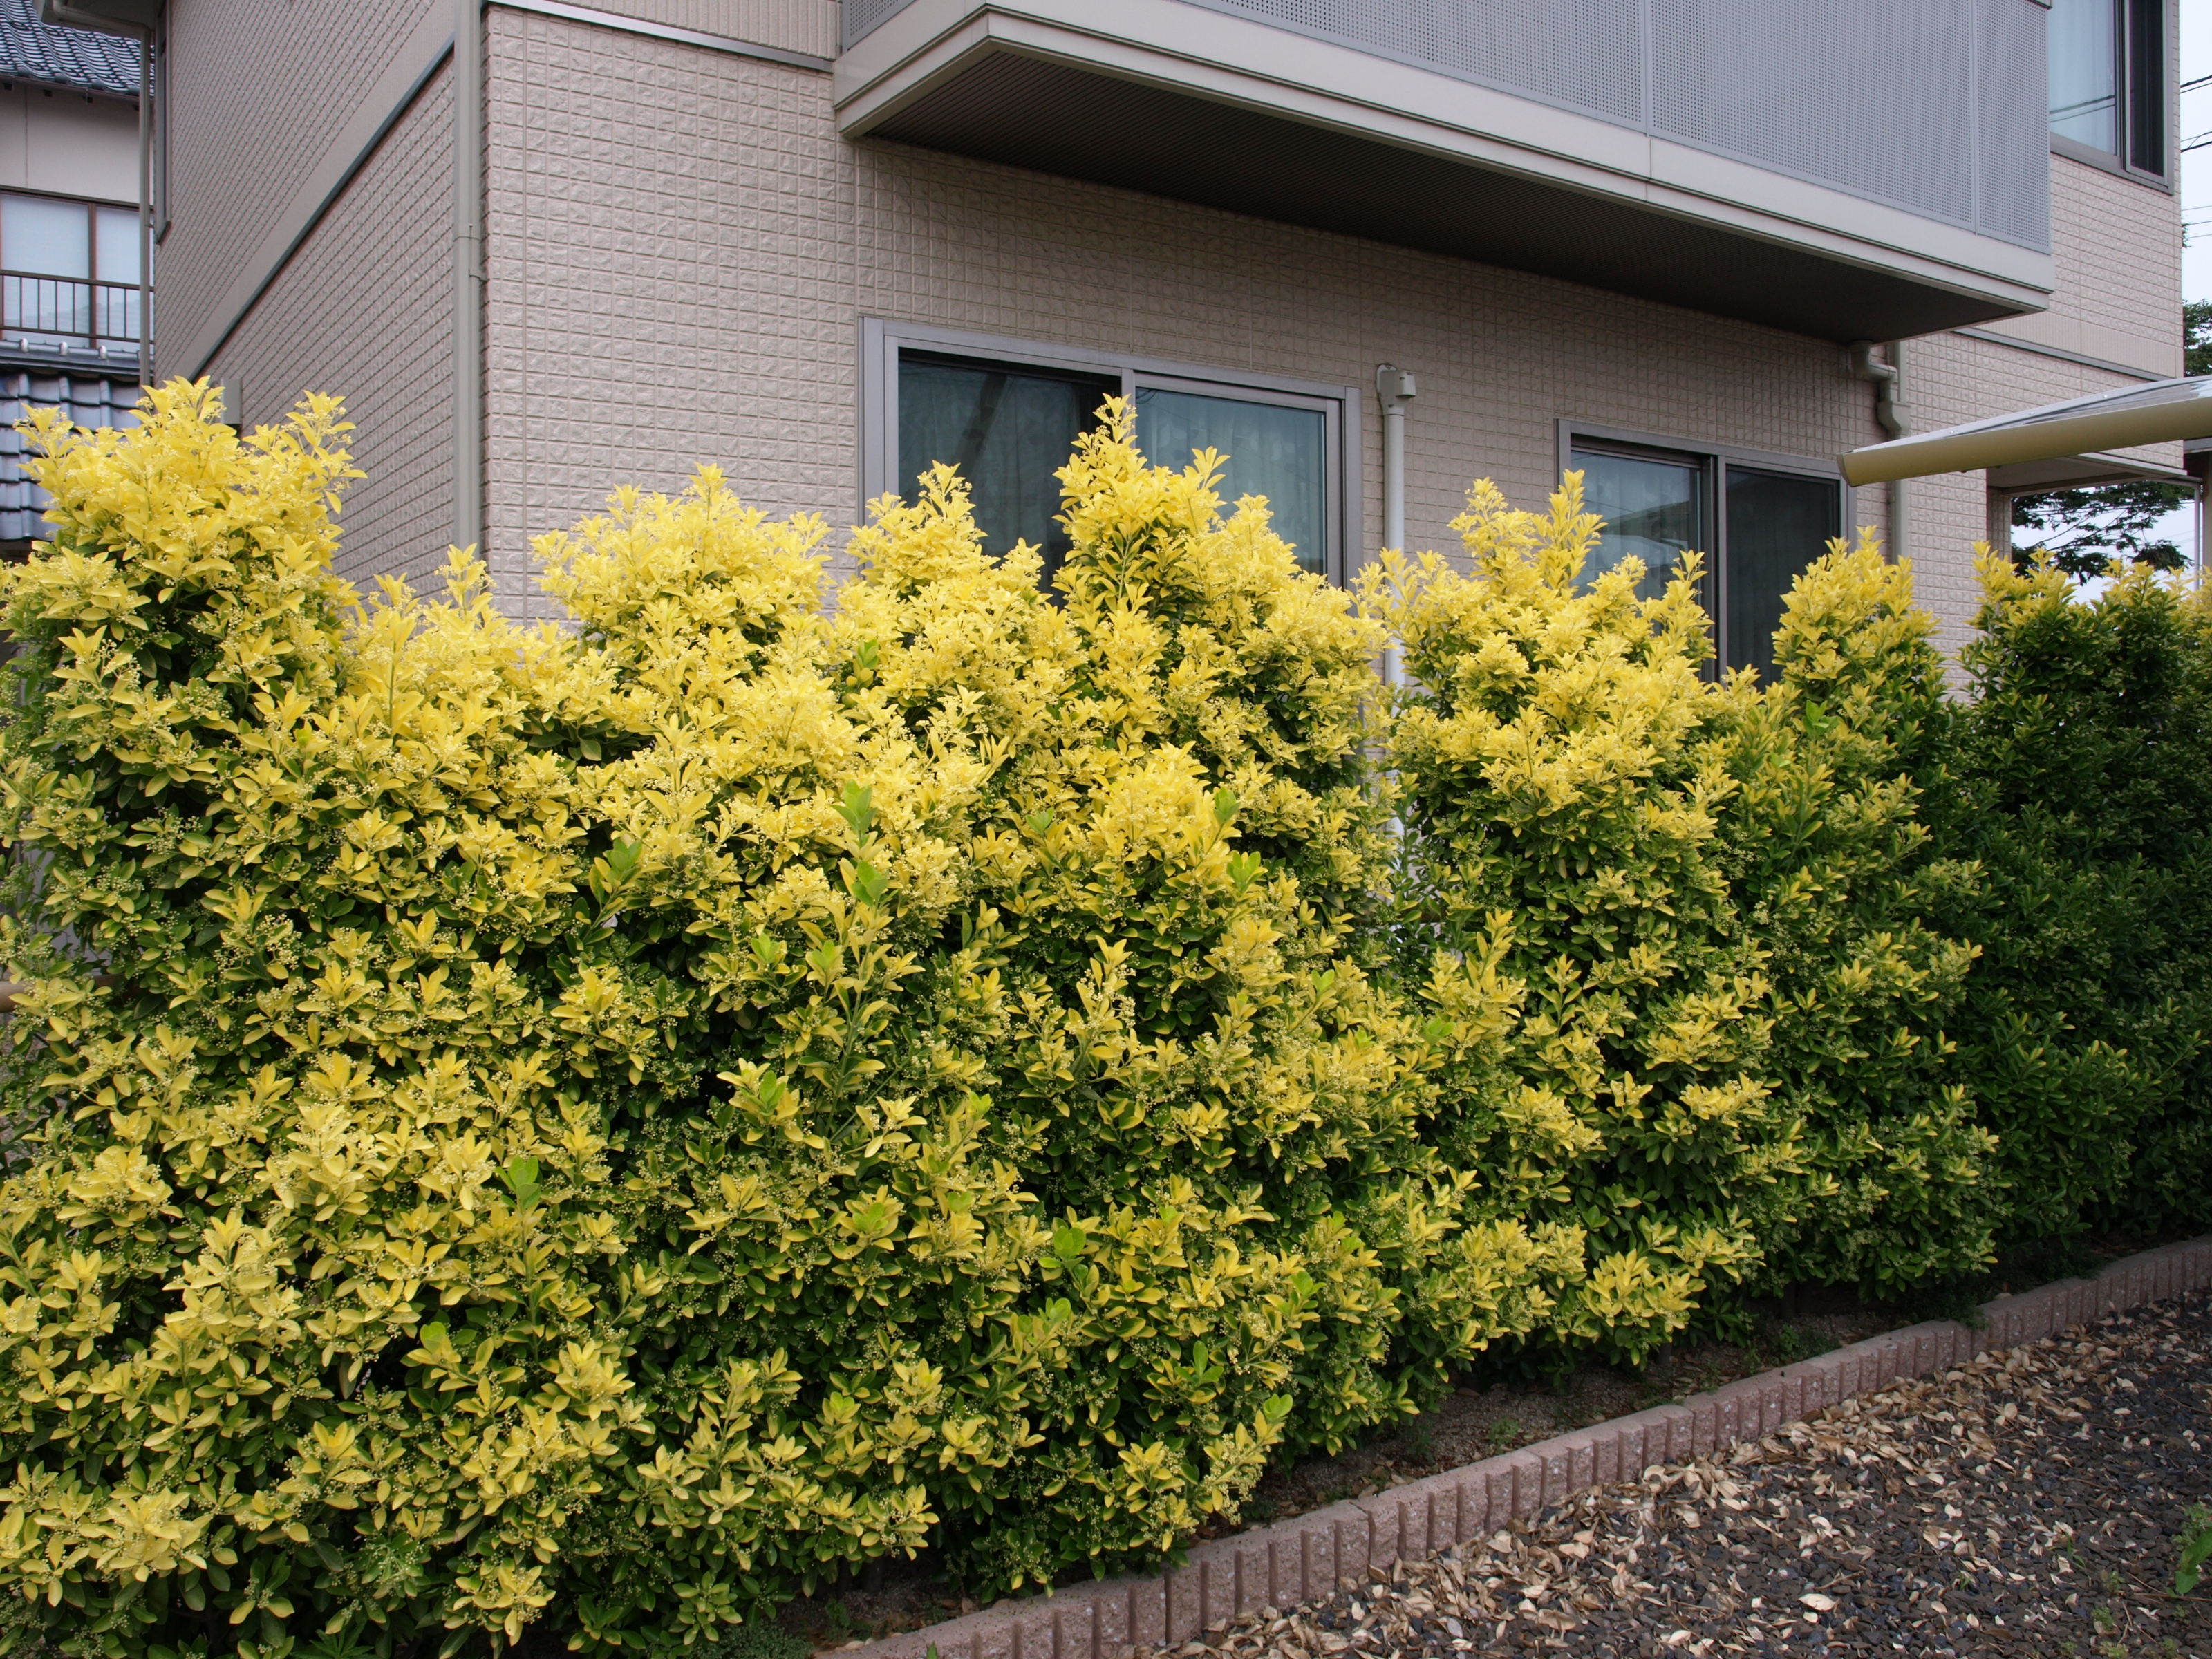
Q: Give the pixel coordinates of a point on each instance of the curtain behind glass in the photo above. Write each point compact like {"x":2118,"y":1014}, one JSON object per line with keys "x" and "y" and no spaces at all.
{"x":48,"y":238}
{"x":1273,"y":450}
{"x":1777,"y":524}
{"x":2085,"y":72}
{"x":52,"y":242}
{"x":1653,"y":509}
{"x":1008,"y":430}
{"x":115,"y":244}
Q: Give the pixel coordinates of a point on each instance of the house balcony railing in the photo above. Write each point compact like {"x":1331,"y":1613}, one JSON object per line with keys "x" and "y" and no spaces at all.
{"x":68,"y":310}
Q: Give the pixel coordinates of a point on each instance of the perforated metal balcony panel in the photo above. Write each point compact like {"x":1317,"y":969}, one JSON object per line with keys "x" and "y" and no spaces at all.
{"x":1708,"y":170}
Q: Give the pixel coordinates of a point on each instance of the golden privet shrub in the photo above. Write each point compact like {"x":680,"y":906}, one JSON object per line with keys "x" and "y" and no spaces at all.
{"x":1685,"y":929}
{"x":1571,"y":915}
{"x":1840,"y":882}
{"x":594,"y":1129}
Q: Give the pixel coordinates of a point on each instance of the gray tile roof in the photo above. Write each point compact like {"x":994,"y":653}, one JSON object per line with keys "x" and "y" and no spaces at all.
{"x":39,"y":53}
{"x":95,"y":392}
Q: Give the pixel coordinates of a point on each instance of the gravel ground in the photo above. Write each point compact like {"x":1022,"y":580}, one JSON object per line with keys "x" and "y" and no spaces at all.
{"x":2030,"y":1503}
{"x":1471,"y":1423}
{"x":1466,"y":1427}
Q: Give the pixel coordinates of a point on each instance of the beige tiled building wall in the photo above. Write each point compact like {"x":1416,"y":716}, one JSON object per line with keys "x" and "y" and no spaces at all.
{"x":2117,"y":242}
{"x":680,"y":249}
{"x":365,"y":309}
{"x":261,"y":90}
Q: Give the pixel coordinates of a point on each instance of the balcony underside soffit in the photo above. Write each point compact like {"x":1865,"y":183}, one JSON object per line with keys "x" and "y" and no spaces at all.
{"x":1005,"y":106}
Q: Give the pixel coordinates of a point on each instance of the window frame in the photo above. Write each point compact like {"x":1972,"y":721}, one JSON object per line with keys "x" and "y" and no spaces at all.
{"x":92,"y":205}
{"x":882,"y":340}
{"x":1714,"y":461}
{"x":2135,"y":99}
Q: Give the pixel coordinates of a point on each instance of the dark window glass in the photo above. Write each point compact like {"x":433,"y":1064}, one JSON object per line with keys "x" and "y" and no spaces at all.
{"x":2147,"y":85}
{"x":2085,"y":72}
{"x":1276,"y":450}
{"x":1654,"y":509}
{"x":1777,"y":524}
{"x":1008,"y":430}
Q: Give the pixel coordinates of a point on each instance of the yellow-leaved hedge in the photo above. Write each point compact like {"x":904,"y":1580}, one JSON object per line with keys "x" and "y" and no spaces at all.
{"x":592,"y":1130}
{"x":1575,"y":924}
{"x":598,"y":1126}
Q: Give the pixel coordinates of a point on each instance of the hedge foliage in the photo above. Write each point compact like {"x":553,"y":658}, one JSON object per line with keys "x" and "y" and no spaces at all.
{"x":589,"y":1131}
{"x":2083,"y":777}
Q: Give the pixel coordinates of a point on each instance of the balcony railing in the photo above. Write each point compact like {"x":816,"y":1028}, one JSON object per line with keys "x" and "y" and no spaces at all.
{"x":66,"y":310}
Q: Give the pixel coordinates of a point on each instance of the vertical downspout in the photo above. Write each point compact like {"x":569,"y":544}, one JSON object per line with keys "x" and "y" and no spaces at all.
{"x":1395,"y":385}
{"x":2204,"y":489}
{"x":1890,"y":411}
{"x":1900,"y":424}
{"x":145,"y":208}
{"x":468,"y":272}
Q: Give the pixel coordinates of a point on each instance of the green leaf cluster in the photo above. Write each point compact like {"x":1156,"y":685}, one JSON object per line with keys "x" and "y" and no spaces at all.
{"x":2081,"y":783}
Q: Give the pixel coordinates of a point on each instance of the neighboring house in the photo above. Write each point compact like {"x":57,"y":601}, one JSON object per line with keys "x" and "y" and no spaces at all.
{"x":68,"y":239}
{"x":819,"y":246}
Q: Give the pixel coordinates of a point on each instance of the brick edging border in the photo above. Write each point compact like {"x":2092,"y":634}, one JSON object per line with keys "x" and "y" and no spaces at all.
{"x":1308,"y":1557}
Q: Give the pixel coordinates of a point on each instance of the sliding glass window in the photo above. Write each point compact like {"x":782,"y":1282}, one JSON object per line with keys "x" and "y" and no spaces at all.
{"x":1009,"y":430}
{"x":1759,"y":521}
{"x":69,"y":270}
{"x":1777,"y":524}
{"x":2109,"y":80}
{"x":1007,"y":413}
{"x":1278,"y":448}
{"x":1653,"y":502}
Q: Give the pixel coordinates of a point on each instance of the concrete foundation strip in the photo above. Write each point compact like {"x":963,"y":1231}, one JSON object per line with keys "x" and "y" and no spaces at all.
{"x":1311,"y":1556}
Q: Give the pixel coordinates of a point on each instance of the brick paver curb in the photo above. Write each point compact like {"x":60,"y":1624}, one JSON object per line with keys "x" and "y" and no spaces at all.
{"x":1310,"y":1556}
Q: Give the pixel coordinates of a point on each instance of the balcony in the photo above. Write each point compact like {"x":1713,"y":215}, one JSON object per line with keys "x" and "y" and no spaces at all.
{"x":67,"y":311}
{"x":1853,"y":169}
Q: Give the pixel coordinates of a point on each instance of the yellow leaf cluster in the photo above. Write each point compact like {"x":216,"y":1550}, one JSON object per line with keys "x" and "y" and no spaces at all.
{"x":609,"y":1124}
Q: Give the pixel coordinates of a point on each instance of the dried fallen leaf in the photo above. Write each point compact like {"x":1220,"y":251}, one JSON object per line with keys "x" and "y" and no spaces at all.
{"x":1818,"y":1602}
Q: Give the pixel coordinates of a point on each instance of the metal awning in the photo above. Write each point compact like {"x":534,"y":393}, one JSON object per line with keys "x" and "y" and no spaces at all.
{"x":2083,"y":471}
{"x":2058,"y":447}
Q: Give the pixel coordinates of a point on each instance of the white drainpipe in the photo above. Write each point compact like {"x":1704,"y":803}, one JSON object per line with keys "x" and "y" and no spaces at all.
{"x":1891,"y":412}
{"x":1395,"y":385}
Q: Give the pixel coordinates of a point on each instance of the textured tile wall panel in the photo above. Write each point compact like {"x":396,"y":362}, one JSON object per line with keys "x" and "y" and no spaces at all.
{"x":258,"y":91}
{"x":807,"y":26}
{"x":365,"y":310}
{"x":679,"y":251}
{"x":2117,"y":248}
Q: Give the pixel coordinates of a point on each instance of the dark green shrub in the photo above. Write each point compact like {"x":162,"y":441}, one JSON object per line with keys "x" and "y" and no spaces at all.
{"x":2080,"y":782}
